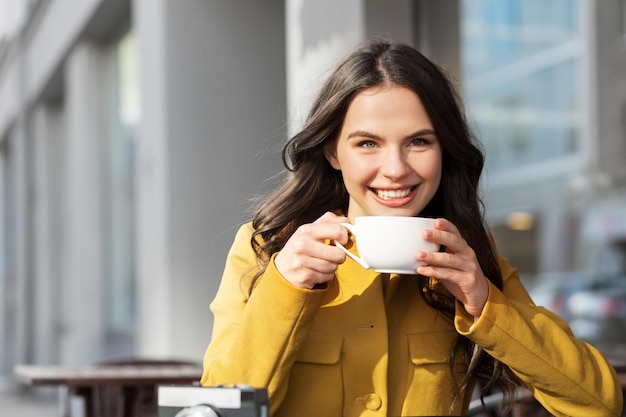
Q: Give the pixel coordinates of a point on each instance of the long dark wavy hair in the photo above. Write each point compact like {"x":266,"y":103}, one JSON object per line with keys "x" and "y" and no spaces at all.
{"x":312,"y":187}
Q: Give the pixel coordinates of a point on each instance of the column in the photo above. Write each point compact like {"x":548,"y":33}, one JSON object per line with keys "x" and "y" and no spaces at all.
{"x":213,"y":112}
{"x":82,"y":266}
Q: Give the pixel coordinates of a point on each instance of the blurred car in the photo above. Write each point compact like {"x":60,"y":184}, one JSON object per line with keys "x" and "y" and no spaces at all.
{"x":552,"y":290}
{"x":593,"y":305}
{"x":597,"y":314}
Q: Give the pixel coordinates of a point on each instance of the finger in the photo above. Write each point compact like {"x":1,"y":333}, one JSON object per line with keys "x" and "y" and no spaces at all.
{"x":324,"y":231}
{"x":323,"y":267}
{"x":310,"y":241}
{"x":305,"y":268}
{"x":439,"y":259}
{"x":330,"y":217}
{"x":466,"y":264}
{"x":328,"y":253}
{"x":313,"y":267}
{"x":445,"y":225}
{"x":450,"y":238}
{"x":441,"y":273}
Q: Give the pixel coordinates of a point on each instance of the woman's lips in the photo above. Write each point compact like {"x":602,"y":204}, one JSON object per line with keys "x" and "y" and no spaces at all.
{"x":394,"y":197}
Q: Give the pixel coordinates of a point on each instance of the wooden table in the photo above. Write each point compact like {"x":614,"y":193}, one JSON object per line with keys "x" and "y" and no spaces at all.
{"x":112,"y":390}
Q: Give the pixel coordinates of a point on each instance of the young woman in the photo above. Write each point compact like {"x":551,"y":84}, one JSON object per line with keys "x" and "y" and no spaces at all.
{"x":386,"y":136}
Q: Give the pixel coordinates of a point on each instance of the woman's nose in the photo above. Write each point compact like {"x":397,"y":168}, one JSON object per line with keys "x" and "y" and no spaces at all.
{"x":394,"y":164}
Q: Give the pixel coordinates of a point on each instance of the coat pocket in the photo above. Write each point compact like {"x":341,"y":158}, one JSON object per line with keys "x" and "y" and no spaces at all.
{"x":429,"y":374}
{"x":316,"y":379}
{"x":431,"y":348}
{"x":430,"y":358}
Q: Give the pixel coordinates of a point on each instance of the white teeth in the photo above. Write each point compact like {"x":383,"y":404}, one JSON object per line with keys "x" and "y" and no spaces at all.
{"x":389,"y":194}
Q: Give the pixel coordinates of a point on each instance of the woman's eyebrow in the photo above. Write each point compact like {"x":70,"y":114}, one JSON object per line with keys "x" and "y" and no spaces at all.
{"x":422,"y":132}
{"x":366,"y":134}
{"x":363,"y":134}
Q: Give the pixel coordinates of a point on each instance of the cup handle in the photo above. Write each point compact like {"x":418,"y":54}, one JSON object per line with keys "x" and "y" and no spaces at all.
{"x":355,"y":258}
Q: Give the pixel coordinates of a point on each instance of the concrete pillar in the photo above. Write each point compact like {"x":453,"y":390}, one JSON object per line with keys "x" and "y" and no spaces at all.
{"x":438,"y":33}
{"x":4,"y":279}
{"x":82,"y":299}
{"x":47,"y":223}
{"x":20,"y":234}
{"x":16,"y":280}
{"x":607,"y":55}
{"x":394,"y":18}
{"x":213,"y":114}
{"x":317,"y":40}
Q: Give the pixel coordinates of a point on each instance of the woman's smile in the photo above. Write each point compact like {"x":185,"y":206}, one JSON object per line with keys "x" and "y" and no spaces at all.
{"x":393,"y":194}
{"x":395,"y":197}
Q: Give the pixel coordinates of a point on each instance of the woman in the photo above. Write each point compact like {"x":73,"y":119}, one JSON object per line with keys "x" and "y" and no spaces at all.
{"x":386,"y":136}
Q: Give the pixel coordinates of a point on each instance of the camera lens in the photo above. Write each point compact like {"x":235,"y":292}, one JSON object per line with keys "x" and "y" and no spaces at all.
{"x":201,"y":410}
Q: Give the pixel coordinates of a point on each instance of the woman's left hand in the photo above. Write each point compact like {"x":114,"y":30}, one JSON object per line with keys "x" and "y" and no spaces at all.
{"x":457,"y":268}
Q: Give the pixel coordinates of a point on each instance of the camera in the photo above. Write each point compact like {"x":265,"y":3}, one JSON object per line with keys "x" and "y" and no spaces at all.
{"x":219,"y":401}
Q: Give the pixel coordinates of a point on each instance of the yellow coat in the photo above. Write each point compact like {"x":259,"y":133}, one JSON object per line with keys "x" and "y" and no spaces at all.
{"x":354,"y":350}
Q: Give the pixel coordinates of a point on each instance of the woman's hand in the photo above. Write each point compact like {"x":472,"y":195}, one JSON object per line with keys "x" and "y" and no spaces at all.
{"x":457,"y":268}
{"x":306,"y":260}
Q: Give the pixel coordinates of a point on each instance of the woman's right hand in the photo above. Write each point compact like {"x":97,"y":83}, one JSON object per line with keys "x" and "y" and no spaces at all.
{"x":306,"y":259}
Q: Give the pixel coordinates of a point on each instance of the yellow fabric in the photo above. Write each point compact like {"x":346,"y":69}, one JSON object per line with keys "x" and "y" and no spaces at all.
{"x":355,"y":350}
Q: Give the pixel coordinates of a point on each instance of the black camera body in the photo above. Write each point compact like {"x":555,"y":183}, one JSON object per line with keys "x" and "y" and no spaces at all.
{"x":221,"y":401}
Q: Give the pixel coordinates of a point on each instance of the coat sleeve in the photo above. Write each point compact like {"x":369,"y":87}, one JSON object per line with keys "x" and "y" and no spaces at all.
{"x":567,"y":376}
{"x":255,"y":339}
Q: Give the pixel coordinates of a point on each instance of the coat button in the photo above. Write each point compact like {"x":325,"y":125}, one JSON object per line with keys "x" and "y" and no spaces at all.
{"x":372,"y":402}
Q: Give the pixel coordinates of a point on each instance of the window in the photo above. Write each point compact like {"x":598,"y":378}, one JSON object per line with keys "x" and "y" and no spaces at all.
{"x":521,"y":68}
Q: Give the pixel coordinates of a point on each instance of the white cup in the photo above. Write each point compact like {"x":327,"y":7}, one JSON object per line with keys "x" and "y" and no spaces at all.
{"x":389,"y":244}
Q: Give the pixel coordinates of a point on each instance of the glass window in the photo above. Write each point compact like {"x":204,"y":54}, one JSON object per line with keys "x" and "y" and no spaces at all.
{"x":521,"y":69}
{"x":502,"y":32}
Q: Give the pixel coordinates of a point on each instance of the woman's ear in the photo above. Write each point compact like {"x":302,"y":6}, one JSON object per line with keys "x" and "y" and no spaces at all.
{"x":330,"y":152}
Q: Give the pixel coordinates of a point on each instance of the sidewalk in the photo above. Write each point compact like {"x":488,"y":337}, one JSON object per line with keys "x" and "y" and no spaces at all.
{"x":16,"y":400}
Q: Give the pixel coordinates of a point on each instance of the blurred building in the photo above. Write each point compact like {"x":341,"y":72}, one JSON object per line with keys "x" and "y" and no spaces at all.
{"x":545,"y":85}
{"x":135,"y":133}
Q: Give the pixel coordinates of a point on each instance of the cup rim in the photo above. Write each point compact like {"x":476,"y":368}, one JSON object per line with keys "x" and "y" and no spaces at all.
{"x":394,"y":217}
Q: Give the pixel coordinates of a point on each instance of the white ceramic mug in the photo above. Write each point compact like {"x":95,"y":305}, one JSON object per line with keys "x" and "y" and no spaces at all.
{"x":390,"y":244}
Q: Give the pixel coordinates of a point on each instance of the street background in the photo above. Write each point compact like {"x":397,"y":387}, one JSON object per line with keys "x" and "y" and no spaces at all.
{"x":135,"y":134}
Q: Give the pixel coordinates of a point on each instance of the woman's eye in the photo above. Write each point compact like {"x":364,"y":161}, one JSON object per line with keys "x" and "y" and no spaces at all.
{"x":367,"y":144}
{"x":419,"y":142}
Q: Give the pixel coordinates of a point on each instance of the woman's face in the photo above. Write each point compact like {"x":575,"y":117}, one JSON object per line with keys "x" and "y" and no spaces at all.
{"x":388,"y":153}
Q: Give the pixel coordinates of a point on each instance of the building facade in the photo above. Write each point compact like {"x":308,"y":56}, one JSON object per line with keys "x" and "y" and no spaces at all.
{"x":545,"y":85}
{"x":135,"y":133}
